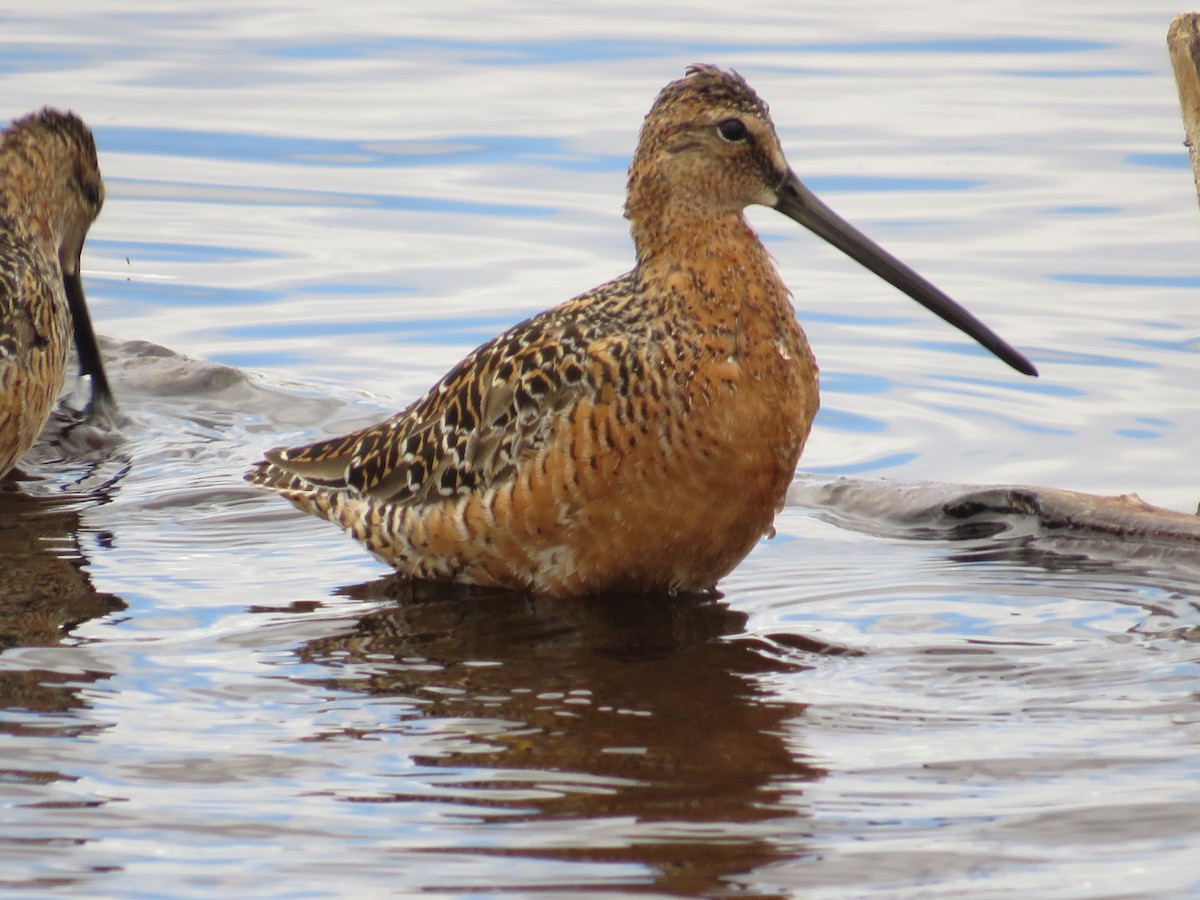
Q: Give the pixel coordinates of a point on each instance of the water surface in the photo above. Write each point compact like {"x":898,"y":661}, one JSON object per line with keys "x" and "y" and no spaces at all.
{"x":322,"y":209}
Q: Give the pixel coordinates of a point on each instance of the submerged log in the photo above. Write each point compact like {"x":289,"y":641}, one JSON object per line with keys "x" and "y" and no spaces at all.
{"x":1050,"y":520}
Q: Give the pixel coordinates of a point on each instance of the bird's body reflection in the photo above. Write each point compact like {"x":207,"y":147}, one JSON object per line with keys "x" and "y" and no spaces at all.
{"x":45,"y":593}
{"x":641,"y":715}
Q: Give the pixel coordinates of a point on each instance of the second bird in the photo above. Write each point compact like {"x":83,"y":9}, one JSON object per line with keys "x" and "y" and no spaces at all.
{"x":50,"y":193}
{"x":640,"y":437}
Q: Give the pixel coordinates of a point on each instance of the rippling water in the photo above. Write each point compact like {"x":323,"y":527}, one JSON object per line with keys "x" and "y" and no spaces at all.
{"x":325,"y":207}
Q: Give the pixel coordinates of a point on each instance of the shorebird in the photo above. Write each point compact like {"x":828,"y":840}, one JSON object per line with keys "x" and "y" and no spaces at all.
{"x":641,"y":436}
{"x":50,"y":193}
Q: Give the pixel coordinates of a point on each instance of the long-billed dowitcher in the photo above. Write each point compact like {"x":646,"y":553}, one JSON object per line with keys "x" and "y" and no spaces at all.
{"x":640,"y":436}
{"x":50,"y":193}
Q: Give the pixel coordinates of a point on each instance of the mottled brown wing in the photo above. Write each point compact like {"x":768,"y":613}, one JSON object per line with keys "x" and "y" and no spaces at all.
{"x":18,"y":281}
{"x":470,"y":430}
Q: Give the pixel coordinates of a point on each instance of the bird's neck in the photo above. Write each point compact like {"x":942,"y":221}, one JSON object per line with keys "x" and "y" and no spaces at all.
{"x":718,"y":256}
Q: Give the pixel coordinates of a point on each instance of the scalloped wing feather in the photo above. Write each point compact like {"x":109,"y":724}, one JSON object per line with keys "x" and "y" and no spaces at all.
{"x":470,"y":430}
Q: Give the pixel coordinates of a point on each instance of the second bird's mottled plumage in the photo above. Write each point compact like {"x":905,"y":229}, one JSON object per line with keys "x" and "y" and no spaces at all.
{"x":641,"y":436}
{"x":50,"y":193}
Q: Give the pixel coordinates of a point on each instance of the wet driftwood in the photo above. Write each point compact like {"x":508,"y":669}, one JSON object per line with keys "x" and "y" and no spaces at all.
{"x":1183,"y":42}
{"x":934,"y":504}
{"x":1039,"y":526}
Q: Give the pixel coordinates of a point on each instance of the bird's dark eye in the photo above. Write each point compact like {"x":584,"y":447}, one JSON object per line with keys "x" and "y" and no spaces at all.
{"x":733,"y":130}
{"x":89,"y":188}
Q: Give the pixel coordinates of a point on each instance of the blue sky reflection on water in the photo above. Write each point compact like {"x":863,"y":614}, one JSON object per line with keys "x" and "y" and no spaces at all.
{"x":585,"y":50}
{"x":342,"y":201}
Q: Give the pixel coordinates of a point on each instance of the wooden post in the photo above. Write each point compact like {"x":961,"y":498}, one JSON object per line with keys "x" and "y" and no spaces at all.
{"x":1183,"y":41}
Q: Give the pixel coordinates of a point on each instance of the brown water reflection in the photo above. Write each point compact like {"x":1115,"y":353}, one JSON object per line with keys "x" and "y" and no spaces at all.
{"x":46,"y":593}
{"x":651,"y":701}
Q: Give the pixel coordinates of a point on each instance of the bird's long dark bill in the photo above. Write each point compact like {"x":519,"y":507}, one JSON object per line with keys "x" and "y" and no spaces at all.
{"x":86,"y":345}
{"x":799,"y":203}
